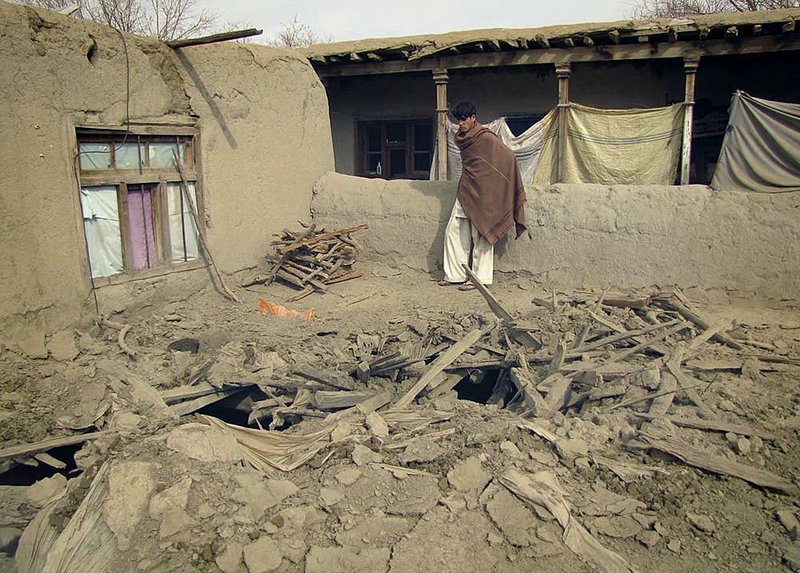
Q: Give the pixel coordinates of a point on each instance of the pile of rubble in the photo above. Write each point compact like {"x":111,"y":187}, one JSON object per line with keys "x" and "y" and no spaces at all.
{"x":586,"y":432}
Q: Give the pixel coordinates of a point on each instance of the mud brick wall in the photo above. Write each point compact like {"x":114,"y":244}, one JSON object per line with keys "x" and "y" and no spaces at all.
{"x":592,"y":236}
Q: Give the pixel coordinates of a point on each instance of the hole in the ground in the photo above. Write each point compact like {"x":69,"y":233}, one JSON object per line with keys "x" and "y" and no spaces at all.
{"x":480,"y":387}
{"x":236,"y":410}
{"x":22,"y":474}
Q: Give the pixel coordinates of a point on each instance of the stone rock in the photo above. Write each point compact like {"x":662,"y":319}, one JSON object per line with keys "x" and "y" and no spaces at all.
{"x":330,"y":496}
{"x":620,"y":526}
{"x":726,"y":406}
{"x":516,"y":521}
{"x":346,"y":560}
{"x":701,"y":522}
{"x":262,"y":556}
{"x":468,"y":475}
{"x":731,"y":438}
{"x":169,"y":506}
{"x":377,"y":425}
{"x":204,"y":443}
{"x":648,"y":538}
{"x":9,"y":539}
{"x":362,"y":455}
{"x":788,"y":519}
{"x":573,"y":448}
{"x":62,"y":346}
{"x":422,"y":450}
{"x":125,"y":422}
{"x":378,"y":531}
{"x":510,"y":449}
{"x":674,"y":545}
{"x":743,"y":446}
{"x":544,"y":458}
{"x":230,"y":559}
{"x":204,"y":511}
{"x":130,"y":485}
{"x":32,"y":345}
{"x":259,"y":494}
{"x":348,"y":476}
{"x":46,"y":489}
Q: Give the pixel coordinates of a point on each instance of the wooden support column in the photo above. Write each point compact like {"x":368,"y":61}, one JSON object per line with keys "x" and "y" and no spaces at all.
{"x":563,"y":72}
{"x":440,"y":79}
{"x":690,"y":72}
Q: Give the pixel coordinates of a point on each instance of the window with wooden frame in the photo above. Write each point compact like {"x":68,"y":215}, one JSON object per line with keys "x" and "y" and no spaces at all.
{"x":137,"y":215}
{"x":395,"y":149}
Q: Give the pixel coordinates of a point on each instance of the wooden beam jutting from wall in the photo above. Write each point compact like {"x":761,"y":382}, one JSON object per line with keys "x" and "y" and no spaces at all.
{"x":563,"y":72}
{"x":613,"y":35}
{"x":587,"y":41}
{"x":223,"y":37}
{"x":542,"y":40}
{"x":732,"y":32}
{"x":569,"y":42}
{"x":440,"y":78}
{"x":690,"y":65}
{"x":788,"y":27}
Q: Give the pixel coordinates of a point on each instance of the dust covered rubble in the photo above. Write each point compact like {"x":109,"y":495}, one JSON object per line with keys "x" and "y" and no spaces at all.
{"x":443,"y":484}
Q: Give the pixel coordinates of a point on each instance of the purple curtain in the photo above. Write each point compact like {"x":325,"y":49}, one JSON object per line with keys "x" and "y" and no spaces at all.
{"x":140,"y":214}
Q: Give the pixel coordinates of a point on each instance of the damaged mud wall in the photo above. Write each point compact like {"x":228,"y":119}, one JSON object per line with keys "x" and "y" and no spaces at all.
{"x":264,"y":138}
{"x":591,"y":236}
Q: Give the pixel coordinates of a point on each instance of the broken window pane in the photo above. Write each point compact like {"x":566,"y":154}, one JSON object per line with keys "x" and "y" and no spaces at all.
{"x":101,"y":226}
{"x":95,"y":155}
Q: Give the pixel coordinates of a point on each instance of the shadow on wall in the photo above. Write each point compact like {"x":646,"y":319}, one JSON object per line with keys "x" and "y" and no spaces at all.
{"x":207,"y":96}
{"x":445,"y":204}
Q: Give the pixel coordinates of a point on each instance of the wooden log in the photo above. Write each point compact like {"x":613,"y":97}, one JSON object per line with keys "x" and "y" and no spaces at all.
{"x":558,"y":358}
{"x":533,"y":401}
{"x":444,"y":360}
{"x":48,"y":460}
{"x":323,"y":377}
{"x":190,"y":406}
{"x":621,"y":337}
{"x":689,"y":314}
{"x":687,"y":383}
{"x":345,"y":277}
{"x":709,"y":425}
{"x":520,"y":336}
{"x":667,"y":388}
{"x":222,"y":37}
{"x":326,"y":400}
{"x":49,"y":444}
{"x":628,"y":302}
{"x":714,"y":463}
{"x":323,"y":237}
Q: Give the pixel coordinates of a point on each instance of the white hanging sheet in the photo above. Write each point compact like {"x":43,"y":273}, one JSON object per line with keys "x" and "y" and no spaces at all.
{"x":101,"y":227}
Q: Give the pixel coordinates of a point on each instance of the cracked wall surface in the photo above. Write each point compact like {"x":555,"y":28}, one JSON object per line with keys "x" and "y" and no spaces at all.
{"x":264,"y":139}
{"x":591,"y":236}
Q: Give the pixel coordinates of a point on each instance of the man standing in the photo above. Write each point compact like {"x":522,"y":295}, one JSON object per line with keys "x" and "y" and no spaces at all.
{"x":489,"y":203}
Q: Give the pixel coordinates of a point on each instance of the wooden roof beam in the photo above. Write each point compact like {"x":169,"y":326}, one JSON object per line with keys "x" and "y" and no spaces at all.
{"x":788,"y":27}
{"x":758,"y":29}
{"x":587,"y":41}
{"x":732,"y":32}
{"x":542,"y":40}
{"x":613,"y":35}
{"x":569,"y":42}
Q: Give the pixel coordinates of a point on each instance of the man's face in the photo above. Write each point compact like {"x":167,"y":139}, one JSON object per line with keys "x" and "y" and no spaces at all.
{"x":466,"y":124}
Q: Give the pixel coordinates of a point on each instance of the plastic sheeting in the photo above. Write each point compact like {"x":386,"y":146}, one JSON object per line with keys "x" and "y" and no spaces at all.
{"x":182,"y":230}
{"x":526,"y":146}
{"x":101,"y":226}
{"x":614,"y":146}
{"x":761,"y":148}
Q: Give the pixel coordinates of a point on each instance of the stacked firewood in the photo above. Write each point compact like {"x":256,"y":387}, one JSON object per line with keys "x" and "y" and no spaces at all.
{"x":311,"y":260}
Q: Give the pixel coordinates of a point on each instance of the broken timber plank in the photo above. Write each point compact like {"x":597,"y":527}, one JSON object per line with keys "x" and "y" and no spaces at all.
{"x":327,"y":400}
{"x":443,"y":361}
{"x":520,"y":336}
{"x":684,"y":381}
{"x":672,"y":303}
{"x":710,"y":425}
{"x":181,"y":393}
{"x":193,"y":405}
{"x":45,"y":445}
{"x":715,"y":464}
{"x":327,"y":378}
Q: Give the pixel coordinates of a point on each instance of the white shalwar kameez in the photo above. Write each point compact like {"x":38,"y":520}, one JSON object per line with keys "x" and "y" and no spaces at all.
{"x":460,"y":237}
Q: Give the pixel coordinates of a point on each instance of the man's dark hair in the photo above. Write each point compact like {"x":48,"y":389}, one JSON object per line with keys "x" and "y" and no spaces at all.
{"x":462,"y":110}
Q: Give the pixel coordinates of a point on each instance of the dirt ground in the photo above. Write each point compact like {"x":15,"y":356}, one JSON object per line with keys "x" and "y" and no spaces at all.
{"x":419,"y":490}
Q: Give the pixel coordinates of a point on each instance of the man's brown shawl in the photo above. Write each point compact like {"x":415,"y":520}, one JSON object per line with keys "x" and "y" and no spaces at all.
{"x":490,"y":189}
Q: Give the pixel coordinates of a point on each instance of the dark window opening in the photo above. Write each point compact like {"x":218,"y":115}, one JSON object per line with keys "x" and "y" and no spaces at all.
{"x":396,"y":149}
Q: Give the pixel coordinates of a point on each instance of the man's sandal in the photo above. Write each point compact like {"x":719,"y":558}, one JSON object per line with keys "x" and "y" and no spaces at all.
{"x":447,"y":283}
{"x":466,"y":286}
